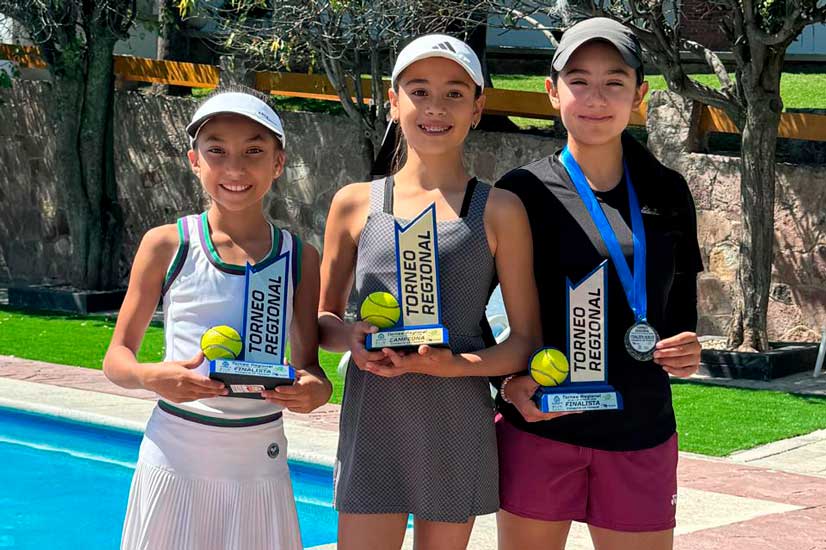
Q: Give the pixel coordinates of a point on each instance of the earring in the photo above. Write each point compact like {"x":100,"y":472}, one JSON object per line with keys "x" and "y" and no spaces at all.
{"x":475,"y":124}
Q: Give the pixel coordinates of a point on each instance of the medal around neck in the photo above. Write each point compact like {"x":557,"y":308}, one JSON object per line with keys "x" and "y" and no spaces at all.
{"x":641,"y":338}
{"x":255,"y":362}
{"x":414,"y":319}
{"x":577,"y":380}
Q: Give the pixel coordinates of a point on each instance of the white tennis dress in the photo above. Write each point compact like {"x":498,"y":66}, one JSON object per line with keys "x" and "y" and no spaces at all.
{"x":212,"y":474}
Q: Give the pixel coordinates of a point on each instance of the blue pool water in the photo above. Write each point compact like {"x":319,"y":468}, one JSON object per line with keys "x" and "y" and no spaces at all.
{"x":64,"y":485}
{"x":495,"y":311}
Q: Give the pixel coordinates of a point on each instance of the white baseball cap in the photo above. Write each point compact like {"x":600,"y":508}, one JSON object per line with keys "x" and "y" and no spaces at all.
{"x":237,"y":103}
{"x":439,"y":45}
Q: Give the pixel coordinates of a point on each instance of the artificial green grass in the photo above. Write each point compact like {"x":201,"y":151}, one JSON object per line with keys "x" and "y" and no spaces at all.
{"x":798,"y":90}
{"x":329,"y":363}
{"x":717,"y":421}
{"x":82,"y":341}
{"x":712,"y":420}
{"x":66,"y":339}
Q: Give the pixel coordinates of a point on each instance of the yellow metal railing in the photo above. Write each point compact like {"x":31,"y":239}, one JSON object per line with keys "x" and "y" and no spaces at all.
{"x":313,"y":86}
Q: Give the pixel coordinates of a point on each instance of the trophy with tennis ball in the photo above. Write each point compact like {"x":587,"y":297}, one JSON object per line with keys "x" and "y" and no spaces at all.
{"x":578,"y":380}
{"x":255,"y":362}
{"x":414,"y":319}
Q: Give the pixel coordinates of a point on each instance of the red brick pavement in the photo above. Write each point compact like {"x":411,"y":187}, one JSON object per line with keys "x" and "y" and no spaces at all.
{"x":803,"y":529}
{"x":325,"y":417}
{"x":65,"y":376}
{"x":798,"y":530}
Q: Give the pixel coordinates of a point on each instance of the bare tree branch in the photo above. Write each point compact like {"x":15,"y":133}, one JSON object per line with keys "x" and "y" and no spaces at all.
{"x":346,"y":37}
{"x":658,"y":40}
{"x":535,"y":24}
{"x":713,"y":61}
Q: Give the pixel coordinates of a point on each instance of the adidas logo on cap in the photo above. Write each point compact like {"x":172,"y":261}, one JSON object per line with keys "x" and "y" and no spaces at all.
{"x":440,"y":45}
{"x":444,"y":46}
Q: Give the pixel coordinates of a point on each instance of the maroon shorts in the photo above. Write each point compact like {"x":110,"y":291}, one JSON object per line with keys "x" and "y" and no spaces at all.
{"x":632,"y":491}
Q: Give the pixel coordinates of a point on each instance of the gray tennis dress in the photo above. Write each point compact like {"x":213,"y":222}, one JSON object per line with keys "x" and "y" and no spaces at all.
{"x":422,"y":444}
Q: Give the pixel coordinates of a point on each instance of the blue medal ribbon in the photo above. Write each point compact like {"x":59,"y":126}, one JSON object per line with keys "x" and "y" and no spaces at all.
{"x":632,"y":283}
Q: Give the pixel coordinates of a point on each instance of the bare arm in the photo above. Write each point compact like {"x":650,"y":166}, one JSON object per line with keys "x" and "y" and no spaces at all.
{"x":345,"y":221}
{"x":507,"y":222}
{"x":349,"y":204}
{"x":172,"y":380}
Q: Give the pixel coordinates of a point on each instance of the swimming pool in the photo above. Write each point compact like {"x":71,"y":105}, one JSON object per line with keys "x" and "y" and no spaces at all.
{"x":64,"y":485}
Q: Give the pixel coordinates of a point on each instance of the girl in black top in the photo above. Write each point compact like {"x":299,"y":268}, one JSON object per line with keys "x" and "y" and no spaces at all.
{"x":615,"y":470}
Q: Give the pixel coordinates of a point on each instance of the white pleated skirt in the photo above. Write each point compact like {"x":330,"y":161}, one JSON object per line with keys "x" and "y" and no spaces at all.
{"x":200,"y":487}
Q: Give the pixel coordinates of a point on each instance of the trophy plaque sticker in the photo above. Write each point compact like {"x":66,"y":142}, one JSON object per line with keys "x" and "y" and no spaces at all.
{"x":417,"y":275}
{"x":260,"y":365}
{"x":578,"y":380}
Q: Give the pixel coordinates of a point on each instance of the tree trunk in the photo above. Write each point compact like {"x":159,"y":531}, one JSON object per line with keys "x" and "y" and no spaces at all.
{"x":84,"y":156}
{"x":67,"y":101}
{"x":748,"y":331}
{"x":96,"y":147}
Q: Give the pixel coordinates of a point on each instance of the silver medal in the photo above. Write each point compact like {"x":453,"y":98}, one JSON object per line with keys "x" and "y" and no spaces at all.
{"x":640,"y":341}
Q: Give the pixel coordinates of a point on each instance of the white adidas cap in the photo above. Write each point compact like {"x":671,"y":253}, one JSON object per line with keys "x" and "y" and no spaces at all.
{"x":237,"y":103}
{"x":439,"y":45}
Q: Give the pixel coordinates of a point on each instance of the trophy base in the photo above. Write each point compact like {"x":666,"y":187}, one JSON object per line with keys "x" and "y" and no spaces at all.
{"x":248,"y":379}
{"x":568,"y":398}
{"x":408,"y":338}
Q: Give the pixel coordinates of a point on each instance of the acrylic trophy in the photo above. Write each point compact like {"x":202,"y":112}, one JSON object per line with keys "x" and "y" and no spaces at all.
{"x":261,"y":364}
{"x":417,"y":275}
{"x":585,"y":388}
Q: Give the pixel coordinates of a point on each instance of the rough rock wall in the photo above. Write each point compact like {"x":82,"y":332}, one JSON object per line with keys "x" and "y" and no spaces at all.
{"x":324,"y":153}
{"x":797,"y":303}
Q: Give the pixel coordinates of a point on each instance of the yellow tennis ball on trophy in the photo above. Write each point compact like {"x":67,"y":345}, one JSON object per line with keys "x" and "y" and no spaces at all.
{"x":549,"y":367}
{"x":221,"y":342}
{"x":380,"y":309}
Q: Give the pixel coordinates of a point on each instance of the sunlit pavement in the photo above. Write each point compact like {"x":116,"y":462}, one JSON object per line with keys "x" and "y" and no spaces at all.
{"x":771,"y":497}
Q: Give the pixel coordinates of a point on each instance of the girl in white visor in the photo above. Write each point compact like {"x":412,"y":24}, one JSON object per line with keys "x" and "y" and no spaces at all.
{"x":212,"y":471}
{"x":417,"y":433}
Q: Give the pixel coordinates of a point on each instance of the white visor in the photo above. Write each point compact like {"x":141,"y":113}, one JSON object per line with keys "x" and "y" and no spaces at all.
{"x":237,"y":103}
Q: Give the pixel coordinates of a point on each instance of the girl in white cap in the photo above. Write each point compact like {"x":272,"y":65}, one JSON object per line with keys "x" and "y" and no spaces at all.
{"x":212,"y":470}
{"x":417,"y":434}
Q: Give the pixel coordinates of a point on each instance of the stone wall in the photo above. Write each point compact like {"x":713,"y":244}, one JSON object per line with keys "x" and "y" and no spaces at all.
{"x":156,"y":187}
{"x":797,"y":303}
{"x":155,"y":184}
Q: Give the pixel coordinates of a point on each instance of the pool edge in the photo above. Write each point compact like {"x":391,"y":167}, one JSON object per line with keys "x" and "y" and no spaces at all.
{"x":138,"y":427}
{"x":74,"y":415}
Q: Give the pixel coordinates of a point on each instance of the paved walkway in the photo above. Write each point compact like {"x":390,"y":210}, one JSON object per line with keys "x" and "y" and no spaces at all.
{"x":772,"y":497}
{"x":802,"y":383}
